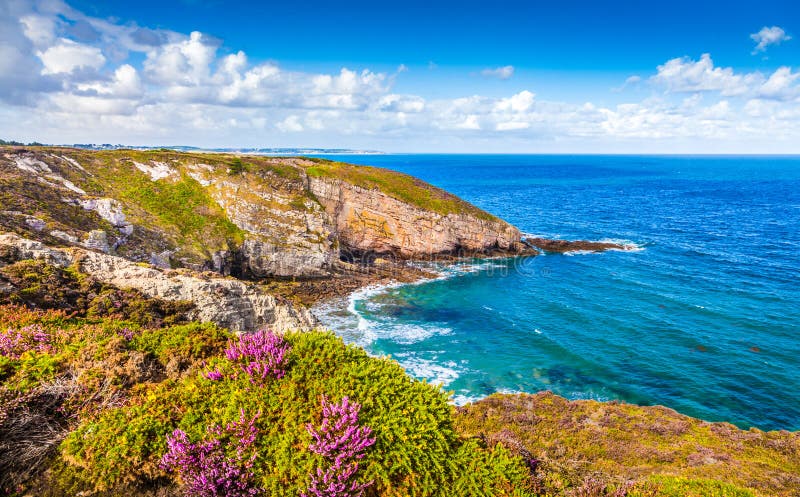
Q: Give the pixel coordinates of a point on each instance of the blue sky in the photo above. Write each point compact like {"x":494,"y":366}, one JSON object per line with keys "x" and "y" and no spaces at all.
{"x":582,"y":76}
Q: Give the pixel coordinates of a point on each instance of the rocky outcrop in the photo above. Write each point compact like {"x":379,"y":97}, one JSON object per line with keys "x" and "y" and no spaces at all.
{"x":227,"y":302}
{"x":563,"y":246}
{"x":368,"y":220}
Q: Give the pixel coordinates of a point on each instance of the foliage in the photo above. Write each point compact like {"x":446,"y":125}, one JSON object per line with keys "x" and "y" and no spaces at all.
{"x":44,"y":286}
{"x":672,"y":486}
{"x":236,"y":166}
{"x":598,"y":447}
{"x":416,"y":451}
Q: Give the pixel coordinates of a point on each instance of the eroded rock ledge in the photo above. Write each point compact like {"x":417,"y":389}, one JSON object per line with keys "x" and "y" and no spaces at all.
{"x":227,"y":302}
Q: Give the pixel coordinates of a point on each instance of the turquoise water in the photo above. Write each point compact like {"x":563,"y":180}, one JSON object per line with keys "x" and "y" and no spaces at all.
{"x":703,"y":318}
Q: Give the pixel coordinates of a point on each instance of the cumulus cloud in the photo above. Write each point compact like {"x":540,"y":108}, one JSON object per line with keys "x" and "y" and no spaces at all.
{"x":504,"y":72}
{"x":768,"y":36}
{"x":66,"y":56}
{"x":71,"y":77}
{"x":687,"y":75}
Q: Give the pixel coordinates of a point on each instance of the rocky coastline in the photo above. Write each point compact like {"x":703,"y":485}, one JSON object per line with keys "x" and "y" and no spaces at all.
{"x":127,"y":277}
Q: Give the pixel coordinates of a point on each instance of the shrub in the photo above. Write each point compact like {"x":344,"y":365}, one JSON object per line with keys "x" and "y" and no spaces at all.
{"x":206,"y":469}
{"x":236,"y":167}
{"x":342,"y":442}
{"x":262,"y":354}
{"x":415,"y":452}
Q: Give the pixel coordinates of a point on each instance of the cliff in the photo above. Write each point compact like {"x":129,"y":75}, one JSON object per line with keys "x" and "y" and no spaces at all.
{"x":250,"y":216}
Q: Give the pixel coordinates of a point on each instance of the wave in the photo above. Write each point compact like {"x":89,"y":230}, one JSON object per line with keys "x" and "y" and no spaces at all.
{"x":434,"y":372}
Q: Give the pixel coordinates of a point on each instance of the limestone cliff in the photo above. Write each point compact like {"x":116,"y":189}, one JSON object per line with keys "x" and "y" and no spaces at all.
{"x":249,"y":216}
{"x":369,"y":220}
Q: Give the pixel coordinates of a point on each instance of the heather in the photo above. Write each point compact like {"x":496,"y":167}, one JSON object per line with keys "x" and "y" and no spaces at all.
{"x":593,"y":448}
{"x":127,"y":408}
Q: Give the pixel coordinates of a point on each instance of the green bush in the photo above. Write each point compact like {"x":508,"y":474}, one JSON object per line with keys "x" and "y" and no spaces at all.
{"x":417,"y":451}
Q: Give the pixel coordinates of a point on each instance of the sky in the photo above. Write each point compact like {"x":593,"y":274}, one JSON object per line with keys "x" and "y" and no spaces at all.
{"x":531,"y":76}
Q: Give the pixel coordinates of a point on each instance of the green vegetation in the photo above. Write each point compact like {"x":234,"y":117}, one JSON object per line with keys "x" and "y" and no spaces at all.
{"x":180,"y":206}
{"x":574,"y":442}
{"x":128,"y":387}
{"x":237,"y":167}
{"x":40,"y":285}
{"x":398,"y":185}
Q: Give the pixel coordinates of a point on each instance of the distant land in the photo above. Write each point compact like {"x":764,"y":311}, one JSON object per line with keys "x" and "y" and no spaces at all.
{"x":185,"y":148}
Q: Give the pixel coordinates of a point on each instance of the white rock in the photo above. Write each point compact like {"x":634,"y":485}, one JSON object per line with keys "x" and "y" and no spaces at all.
{"x":156,"y":170}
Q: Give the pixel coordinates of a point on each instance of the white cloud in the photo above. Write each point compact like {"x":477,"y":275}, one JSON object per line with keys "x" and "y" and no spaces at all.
{"x":520,"y":102}
{"x":504,"y":72}
{"x":291,"y":125}
{"x":188,"y":89}
{"x":469,"y":122}
{"x":686,"y":75}
{"x":181,"y":63}
{"x":39,"y":29}
{"x":781,"y":85}
{"x":768,"y":36}
{"x":401,"y":103}
{"x":512,"y":126}
{"x":125,"y":83}
{"x":66,"y":56}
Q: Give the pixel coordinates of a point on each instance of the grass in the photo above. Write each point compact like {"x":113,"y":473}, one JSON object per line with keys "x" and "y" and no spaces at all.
{"x":680,"y":455}
{"x":398,"y":185}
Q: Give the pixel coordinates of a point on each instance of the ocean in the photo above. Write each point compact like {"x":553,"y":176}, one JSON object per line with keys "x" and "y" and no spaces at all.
{"x":703,"y":317}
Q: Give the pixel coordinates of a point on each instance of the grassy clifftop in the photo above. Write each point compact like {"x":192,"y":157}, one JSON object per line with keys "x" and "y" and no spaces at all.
{"x":397,"y":185}
{"x":199,"y":209}
{"x":599,"y":444}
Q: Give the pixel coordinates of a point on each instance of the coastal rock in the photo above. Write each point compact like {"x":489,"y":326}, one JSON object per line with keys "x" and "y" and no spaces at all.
{"x":97,"y":240}
{"x":563,"y":246}
{"x":226,"y":302}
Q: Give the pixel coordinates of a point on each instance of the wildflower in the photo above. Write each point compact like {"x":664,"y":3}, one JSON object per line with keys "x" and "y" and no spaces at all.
{"x":342,"y":442}
{"x":262,"y":354}
{"x":204,"y":467}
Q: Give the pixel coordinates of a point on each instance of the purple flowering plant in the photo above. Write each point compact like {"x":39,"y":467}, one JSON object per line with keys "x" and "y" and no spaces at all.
{"x":342,"y":442}
{"x":206,"y":469}
{"x":262,"y":354}
{"x":15,"y":342}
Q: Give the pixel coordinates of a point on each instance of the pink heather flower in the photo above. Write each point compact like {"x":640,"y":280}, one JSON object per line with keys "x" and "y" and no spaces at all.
{"x":14,"y":343}
{"x":342,"y":442}
{"x":204,"y":467}
{"x":262,"y":354}
{"x":126,"y":333}
{"x":214,"y":375}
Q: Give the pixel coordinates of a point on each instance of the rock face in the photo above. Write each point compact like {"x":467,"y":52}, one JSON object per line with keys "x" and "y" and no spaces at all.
{"x":266,"y":217}
{"x":227,"y":302}
{"x":369,"y":220}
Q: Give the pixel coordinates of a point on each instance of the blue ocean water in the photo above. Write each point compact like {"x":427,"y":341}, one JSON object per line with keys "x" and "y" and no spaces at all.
{"x":703,"y":318}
